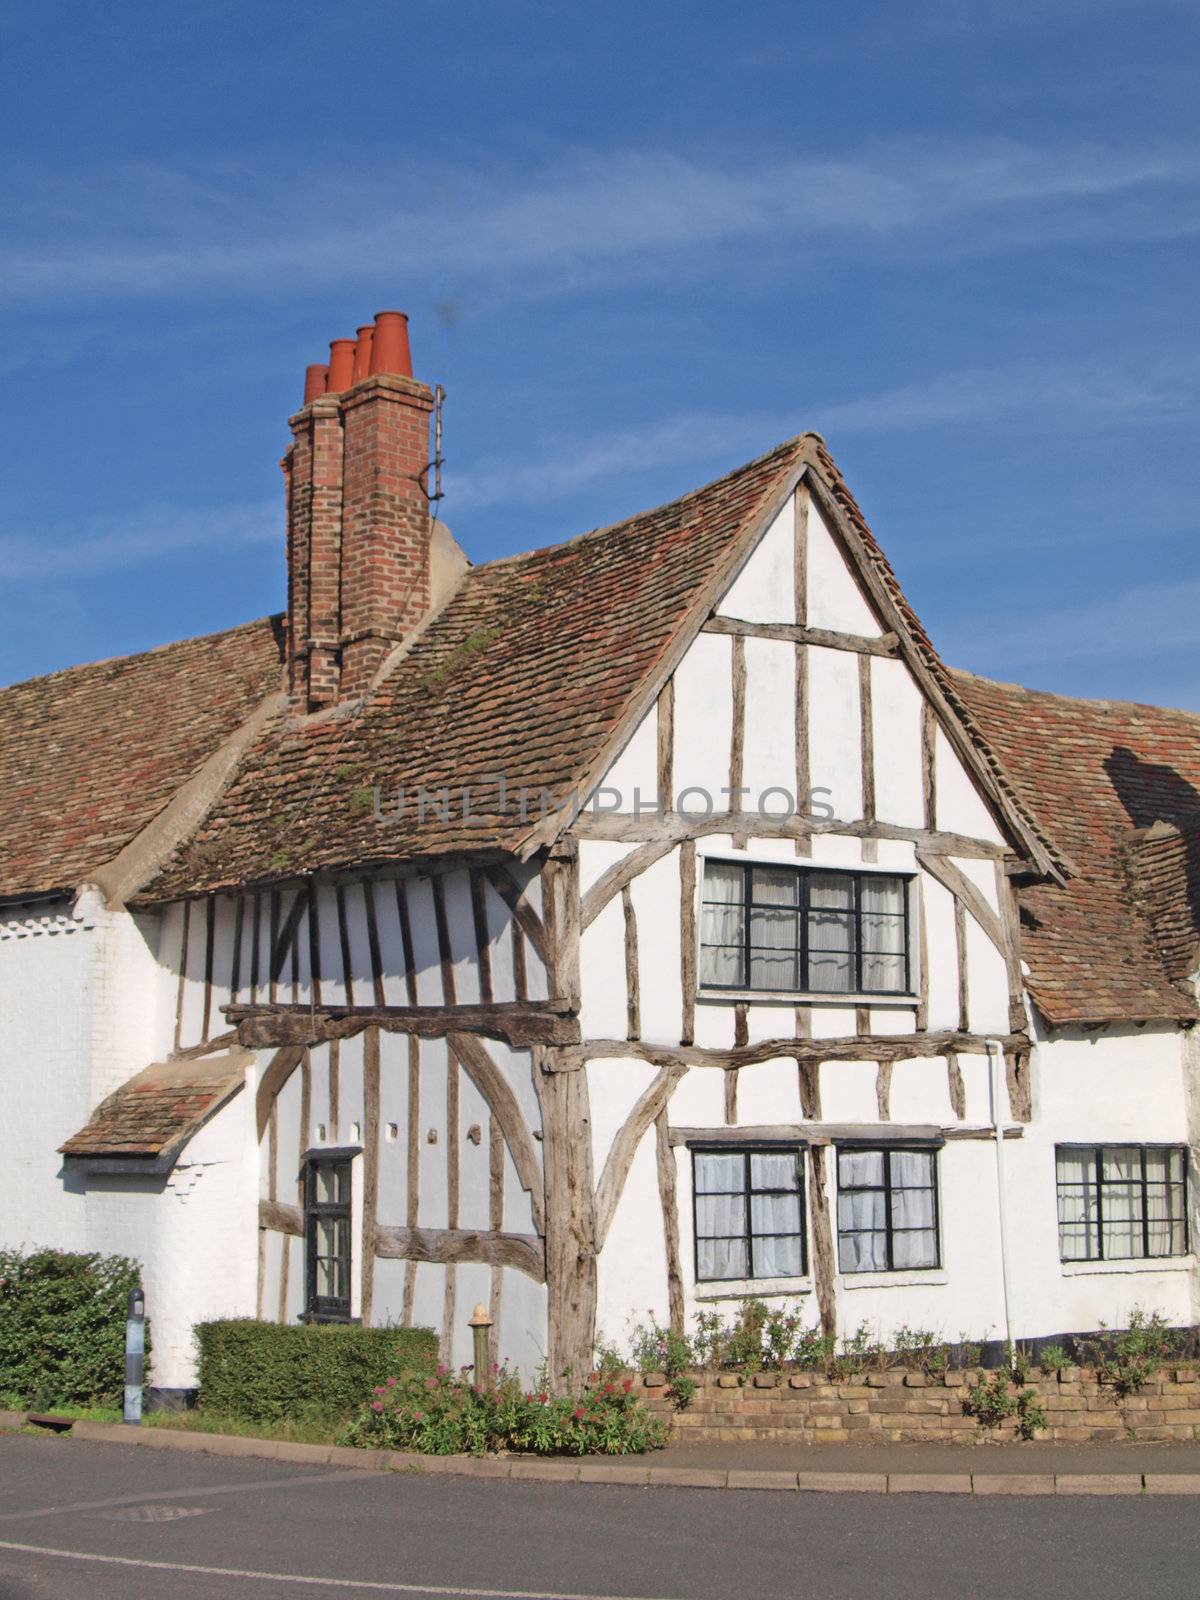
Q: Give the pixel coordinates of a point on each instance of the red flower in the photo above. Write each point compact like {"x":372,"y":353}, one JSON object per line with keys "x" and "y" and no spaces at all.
{"x":542,"y":1399}
{"x":578,"y":1413}
{"x":608,"y":1389}
{"x":627,"y":1385}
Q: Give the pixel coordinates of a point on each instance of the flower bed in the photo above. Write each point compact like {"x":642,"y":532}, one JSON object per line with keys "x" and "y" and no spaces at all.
{"x":451,"y":1414}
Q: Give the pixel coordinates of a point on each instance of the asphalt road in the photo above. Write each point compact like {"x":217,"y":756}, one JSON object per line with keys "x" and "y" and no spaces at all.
{"x":83,"y":1521}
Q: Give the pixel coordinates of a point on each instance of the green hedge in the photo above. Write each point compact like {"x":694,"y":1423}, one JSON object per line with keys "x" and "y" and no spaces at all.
{"x":62,"y":1327}
{"x":265,"y":1371}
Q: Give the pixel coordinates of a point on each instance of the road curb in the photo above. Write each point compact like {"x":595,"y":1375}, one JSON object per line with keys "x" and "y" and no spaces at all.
{"x":636,"y":1473}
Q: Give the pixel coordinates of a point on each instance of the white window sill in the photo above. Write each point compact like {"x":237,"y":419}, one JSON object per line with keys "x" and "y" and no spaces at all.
{"x":794,"y":997}
{"x":753,"y":1288}
{"x":917,"y":1278}
{"x":1088,"y":1269}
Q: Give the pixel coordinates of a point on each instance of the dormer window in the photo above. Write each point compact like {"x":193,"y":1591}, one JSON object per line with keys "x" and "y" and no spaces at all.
{"x":804,"y":930}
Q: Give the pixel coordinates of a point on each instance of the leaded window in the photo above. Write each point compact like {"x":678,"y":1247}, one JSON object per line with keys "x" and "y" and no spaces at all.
{"x":749,"y":1213}
{"x":800,"y":930}
{"x":887,"y":1209}
{"x":327,"y":1237}
{"x":1121,"y":1201}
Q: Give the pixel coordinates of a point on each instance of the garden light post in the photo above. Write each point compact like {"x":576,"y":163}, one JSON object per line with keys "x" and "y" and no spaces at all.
{"x":135,"y":1351}
{"x":481,"y":1324}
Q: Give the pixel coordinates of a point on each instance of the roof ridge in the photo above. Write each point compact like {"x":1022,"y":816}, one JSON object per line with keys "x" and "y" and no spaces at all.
{"x":1091,"y":702}
{"x":143,"y":655}
{"x":796,"y":442}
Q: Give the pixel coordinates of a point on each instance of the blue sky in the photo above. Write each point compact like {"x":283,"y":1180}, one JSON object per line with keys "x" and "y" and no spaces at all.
{"x":639,"y":244}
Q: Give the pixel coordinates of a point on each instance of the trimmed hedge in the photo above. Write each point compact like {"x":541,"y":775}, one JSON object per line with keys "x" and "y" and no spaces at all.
{"x":266,"y":1371}
{"x":62,"y":1327}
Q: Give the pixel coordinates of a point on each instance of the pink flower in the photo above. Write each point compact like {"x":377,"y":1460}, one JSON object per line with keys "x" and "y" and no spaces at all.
{"x":377,"y":1405}
{"x":442,"y":1370}
{"x":431,"y":1383}
{"x":378,"y":1391}
{"x":418,"y":1416}
{"x":391,"y":1383}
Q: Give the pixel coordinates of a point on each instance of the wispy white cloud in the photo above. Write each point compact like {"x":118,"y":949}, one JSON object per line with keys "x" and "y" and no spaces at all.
{"x":1139,"y":622}
{"x":1124,"y":389}
{"x":150,"y":230}
{"x":108,"y":543}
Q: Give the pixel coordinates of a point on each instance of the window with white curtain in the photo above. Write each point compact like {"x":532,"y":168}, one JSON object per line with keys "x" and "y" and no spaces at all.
{"x":1117,"y":1202}
{"x":799,"y":930}
{"x":887,"y":1209}
{"x":749,"y":1213}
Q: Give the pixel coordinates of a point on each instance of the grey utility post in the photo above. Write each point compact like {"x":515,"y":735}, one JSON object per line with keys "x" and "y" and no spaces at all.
{"x":135,"y":1351}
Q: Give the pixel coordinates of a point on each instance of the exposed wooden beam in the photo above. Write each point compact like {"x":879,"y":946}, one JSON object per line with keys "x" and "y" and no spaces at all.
{"x":279,"y":1217}
{"x":524,"y":915}
{"x":954,"y":879}
{"x":668,"y":1201}
{"x":495,"y":1088}
{"x":615,"y":877}
{"x":624,"y":1147}
{"x":850,"y":1047}
{"x":884,"y":644}
{"x":627,"y":828}
{"x":666,"y":745}
{"x":523,"y":1251}
{"x":519,"y":1024}
{"x":279,"y":1069}
{"x":370,"y":1198}
{"x":633,"y":993}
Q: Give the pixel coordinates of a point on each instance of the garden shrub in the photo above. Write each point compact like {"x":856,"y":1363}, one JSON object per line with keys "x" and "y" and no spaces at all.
{"x":62,"y":1327}
{"x":1130,"y":1358}
{"x":450,"y":1414}
{"x":267,"y":1371}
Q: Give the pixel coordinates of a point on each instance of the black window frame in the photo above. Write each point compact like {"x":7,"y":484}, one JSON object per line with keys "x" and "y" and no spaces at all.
{"x":327,"y":1308}
{"x":887,"y":1150}
{"x":804,"y":876}
{"x":1097,"y":1152}
{"x":759,"y":1148}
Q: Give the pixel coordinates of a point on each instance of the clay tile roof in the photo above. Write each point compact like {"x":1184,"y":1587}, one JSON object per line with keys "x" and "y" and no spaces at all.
{"x":1164,"y":870}
{"x":1112,"y":943}
{"x":156,"y":1112}
{"x":89,"y":755}
{"x":526,"y":673}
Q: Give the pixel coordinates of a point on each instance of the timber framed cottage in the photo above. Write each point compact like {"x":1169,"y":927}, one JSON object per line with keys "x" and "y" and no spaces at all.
{"x":649,"y":921}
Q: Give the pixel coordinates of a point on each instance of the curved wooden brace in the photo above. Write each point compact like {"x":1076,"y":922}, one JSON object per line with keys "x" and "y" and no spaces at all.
{"x":624,"y":1147}
{"x":279,"y":1069}
{"x":954,"y":879}
{"x":477,"y":1063}
{"x":523,"y":1251}
{"x":527,"y":919}
{"x":621,"y":873}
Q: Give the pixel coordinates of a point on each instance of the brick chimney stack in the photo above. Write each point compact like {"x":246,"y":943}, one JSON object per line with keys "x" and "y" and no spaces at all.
{"x":360,"y":533}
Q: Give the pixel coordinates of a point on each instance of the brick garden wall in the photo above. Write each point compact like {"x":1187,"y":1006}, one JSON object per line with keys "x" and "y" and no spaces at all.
{"x":899,"y":1407}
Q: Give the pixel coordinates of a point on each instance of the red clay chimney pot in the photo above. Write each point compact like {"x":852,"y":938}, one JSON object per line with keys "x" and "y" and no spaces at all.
{"x":315,"y":379}
{"x":341,"y":364}
{"x":362,"y":352}
{"x":389,"y":350}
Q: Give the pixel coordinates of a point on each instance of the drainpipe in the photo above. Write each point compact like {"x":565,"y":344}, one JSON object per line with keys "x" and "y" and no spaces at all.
{"x":995,"y":1052}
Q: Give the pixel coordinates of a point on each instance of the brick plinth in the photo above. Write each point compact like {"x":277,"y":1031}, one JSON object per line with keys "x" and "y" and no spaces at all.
{"x":897,"y":1407}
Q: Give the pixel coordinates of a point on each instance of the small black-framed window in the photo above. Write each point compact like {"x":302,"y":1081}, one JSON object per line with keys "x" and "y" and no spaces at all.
{"x":887,"y":1209}
{"x":749,"y":1212}
{"x":804,"y":930}
{"x":1121,"y":1202}
{"x":327,"y":1236}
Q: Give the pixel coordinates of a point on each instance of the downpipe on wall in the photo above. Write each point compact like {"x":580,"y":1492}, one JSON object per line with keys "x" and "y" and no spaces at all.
{"x":995,"y":1053}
